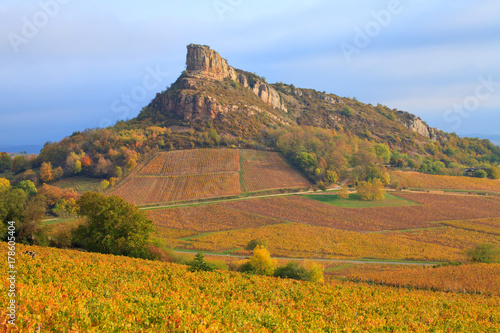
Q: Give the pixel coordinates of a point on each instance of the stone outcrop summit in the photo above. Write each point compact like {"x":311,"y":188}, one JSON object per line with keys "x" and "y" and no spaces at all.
{"x":210,"y":89}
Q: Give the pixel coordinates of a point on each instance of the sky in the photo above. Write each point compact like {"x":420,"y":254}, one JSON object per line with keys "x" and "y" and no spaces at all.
{"x":68,"y":65}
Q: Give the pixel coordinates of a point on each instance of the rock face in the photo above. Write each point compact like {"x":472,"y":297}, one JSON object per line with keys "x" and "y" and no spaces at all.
{"x":203,"y":62}
{"x":192,"y":107}
{"x":416,"y":124}
{"x":269,"y":95}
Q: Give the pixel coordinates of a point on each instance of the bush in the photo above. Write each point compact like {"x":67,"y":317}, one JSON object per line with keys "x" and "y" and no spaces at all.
{"x":292,"y":270}
{"x":343,"y":193}
{"x":199,"y":264}
{"x":480,"y":173}
{"x":370,"y":191}
{"x":346,"y":111}
{"x":254,"y":243}
{"x":260,"y":263}
{"x":485,"y":253}
{"x":113,"y":226}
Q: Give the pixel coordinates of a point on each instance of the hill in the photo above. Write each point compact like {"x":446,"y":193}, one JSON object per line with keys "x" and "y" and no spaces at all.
{"x":119,"y":294}
{"x":207,"y":173}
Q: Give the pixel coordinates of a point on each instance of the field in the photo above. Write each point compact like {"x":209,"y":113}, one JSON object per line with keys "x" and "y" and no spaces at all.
{"x":151,"y":189}
{"x":190,"y":162}
{"x":186,"y":175}
{"x":354,"y":201}
{"x":79,"y":184}
{"x":263,"y":170}
{"x":295,"y":226}
{"x":304,"y":241}
{"x":478,"y":278}
{"x":66,"y":290}
{"x":425,"y":181}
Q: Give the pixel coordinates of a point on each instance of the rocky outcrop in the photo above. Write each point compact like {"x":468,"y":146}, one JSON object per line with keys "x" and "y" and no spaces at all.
{"x":192,"y":106}
{"x":416,"y":124}
{"x":269,"y":95}
{"x":204,"y":62}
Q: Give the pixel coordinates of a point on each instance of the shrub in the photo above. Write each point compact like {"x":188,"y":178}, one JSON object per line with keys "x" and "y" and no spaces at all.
{"x":254,"y":243}
{"x":292,"y":270}
{"x":113,"y":226}
{"x":346,"y":111}
{"x":343,"y":193}
{"x":485,"y":253}
{"x":199,"y":264}
{"x":480,"y":173}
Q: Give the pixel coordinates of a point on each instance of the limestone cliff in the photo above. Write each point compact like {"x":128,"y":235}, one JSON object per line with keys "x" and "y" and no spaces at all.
{"x":203,"y":62}
{"x":415,"y":124}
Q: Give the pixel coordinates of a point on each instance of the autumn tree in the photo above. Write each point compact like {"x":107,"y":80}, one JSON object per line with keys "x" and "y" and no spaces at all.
{"x":260,"y":262}
{"x":46,"y":172}
{"x":343,"y":193}
{"x":370,"y":191}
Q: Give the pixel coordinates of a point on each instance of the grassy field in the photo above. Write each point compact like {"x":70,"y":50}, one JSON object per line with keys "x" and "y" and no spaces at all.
{"x":354,"y":201}
{"x":79,"y":184}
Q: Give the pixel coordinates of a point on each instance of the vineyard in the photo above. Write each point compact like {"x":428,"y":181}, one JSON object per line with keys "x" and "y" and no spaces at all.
{"x":207,"y":218}
{"x":295,"y":226}
{"x":196,"y":161}
{"x":431,"y":208}
{"x":426,"y":181}
{"x":150,"y":189}
{"x":478,"y":278}
{"x":207,"y":173}
{"x":299,"y":240}
{"x":65,"y":290}
{"x":263,"y":170}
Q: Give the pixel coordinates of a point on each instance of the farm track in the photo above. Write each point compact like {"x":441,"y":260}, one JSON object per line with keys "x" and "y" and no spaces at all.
{"x":319,"y":259}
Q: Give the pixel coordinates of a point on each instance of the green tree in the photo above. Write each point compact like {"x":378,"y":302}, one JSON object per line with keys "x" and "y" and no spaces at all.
{"x":19,"y":164}
{"x":113,"y":226}
{"x":104,"y":184}
{"x":332,"y":176}
{"x":5,"y":162}
{"x":292,"y":270}
{"x":347,"y":111}
{"x":254,"y":243}
{"x":480,"y":173}
{"x":199,"y":264}
{"x":383,"y":152}
{"x":493,"y":173}
{"x":117,"y":172}
{"x":27,"y":186}
{"x":307,"y":161}
{"x":485,"y":253}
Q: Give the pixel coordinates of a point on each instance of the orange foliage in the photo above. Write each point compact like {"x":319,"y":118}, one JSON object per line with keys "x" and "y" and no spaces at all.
{"x":54,"y":194}
{"x":425,"y":181}
{"x":263,"y":170}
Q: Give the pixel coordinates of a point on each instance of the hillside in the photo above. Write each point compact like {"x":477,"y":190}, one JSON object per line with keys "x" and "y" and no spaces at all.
{"x":214,"y":105}
{"x":240,"y":103}
{"x":119,"y":294}
{"x":207,"y":173}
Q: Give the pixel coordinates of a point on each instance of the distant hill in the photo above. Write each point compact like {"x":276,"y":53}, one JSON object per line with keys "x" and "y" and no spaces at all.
{"x":494,"y":138}
{"x":29,"y":149}
{"x":325,"y":136}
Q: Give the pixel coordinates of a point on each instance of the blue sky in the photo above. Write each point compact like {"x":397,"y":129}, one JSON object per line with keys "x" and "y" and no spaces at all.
{"x":68,"y":65}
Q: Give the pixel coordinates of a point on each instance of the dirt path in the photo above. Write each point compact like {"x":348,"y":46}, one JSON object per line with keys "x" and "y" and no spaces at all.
{"x":320,"y":259}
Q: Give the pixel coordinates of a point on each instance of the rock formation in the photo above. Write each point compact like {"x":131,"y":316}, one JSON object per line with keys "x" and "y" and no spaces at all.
{"x":416,"y":124}
{"x":203,"y":62}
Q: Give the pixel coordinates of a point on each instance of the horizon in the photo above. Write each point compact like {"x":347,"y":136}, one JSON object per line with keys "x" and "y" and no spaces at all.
{"x":64,"y":74}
